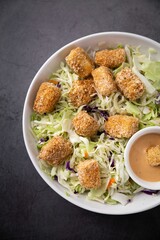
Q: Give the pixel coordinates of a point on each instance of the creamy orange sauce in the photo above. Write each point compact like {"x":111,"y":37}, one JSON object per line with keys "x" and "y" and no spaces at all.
{"x":138,"y":157}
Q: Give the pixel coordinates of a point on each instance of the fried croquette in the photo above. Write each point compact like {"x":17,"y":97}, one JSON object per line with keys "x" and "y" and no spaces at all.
{"x":82,"y":92}
{"x":46,"y":98}
{"x":85,"y":125}
{"x":89,"y":174}
{"x":129,"y":84}
{"x":121,"y":126}
{"x":79,"y":61}
{"x":56,"y":151}
{"x":103,"y":80}
{"x":110,"y":58}
{"x":153,"y":156}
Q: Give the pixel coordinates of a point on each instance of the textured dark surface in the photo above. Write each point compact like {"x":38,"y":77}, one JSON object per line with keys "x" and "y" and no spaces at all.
{"x":30,"y":31}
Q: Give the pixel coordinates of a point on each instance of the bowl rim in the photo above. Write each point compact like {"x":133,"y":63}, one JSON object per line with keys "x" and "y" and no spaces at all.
{"x":132,"y":140}
{"x":24,"y":122}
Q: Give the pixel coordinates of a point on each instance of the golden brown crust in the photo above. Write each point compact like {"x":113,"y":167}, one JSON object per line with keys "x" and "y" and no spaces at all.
{"x":85,"y":125}
{"x":89,"y":174}
{"x":82,"y":92}
{"x":153,"y":156}
{"x":121,"y":126}
{"x":79,"y":61}
{"x":46,"y":98}
{"x":56,"y":150}
{"x":103,"y":80}
{"x":129,"y":84}
{"x":110,"y":58}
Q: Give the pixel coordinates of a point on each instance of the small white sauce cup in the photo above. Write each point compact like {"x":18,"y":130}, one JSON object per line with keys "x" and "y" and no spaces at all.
{"x":138,"y":180}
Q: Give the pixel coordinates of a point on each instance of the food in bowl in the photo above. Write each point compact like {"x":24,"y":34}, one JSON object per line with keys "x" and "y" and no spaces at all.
{"x":153,"y":153}
{"x":95,"y":165}
{"x":145,"y":157}
{"x":142,"y":157}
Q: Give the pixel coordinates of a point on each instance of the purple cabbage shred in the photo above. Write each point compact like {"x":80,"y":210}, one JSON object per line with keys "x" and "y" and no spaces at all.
{"x":103,"y":113}
{"x":88,"y":108}
{"x":58,"y":85}
{"x":56,"y":178}
{"x":150,"y":192}
{"x":44,"y":139}
{"x":111,"y":138}
{"x":69,"y":168}
{"x":111,"y":160}
{"x":157,"y":101}
{"x":100,"y":132}
{"x":110,"y":153}
{"x":112,"y":164}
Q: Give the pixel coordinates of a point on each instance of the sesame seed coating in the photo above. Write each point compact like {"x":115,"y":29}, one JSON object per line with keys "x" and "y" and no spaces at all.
{"x":103,"y":80}
{"x":110,"y":58}
{"x":56,"y":150}
{"x":121,"y":126}
{"x":46,"y":98}
{"x":85,"y":125}
{"x":82,"y":92}
{"x":79,"y":61}
{"x":89,"y":174}
{"x":129,"y":84}
{"x":153,"y":156}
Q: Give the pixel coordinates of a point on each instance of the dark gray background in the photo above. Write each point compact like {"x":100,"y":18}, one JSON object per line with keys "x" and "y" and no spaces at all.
{"x":30,"y":31}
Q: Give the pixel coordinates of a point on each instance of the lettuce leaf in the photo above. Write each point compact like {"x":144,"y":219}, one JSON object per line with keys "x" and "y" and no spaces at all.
{"x":152,"y":71}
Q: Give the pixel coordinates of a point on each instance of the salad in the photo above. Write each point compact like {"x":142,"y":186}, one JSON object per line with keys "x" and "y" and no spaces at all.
{"x":114,"y":184}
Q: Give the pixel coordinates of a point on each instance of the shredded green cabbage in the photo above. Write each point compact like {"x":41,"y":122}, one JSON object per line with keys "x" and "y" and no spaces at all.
{"x":106,"y":150}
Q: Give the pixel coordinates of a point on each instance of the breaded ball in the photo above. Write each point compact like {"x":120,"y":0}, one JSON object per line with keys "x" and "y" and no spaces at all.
{"x":103,"y":80}
{"x":79,"y":61}
{"x":82,"y":92}
{"x":56,"y":150}
{"x":46,"y":98}
{"x":85,"y":125}
{"x":129,"y":84}
{"x":153,"y":156}
{"x":110,"y":58}
{"x":89,"y":174}
{"x":121,"y":126}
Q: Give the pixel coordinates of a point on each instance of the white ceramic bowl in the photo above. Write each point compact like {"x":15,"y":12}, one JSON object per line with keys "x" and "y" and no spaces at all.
{"x":141,"y":202}
{"x":136,"y":136}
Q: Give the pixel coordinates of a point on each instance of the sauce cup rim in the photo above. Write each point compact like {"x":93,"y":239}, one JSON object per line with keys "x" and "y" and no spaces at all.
{"x":138,"y":180}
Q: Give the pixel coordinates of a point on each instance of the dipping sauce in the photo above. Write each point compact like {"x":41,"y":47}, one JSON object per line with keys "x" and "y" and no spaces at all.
{"x":138,"y":157}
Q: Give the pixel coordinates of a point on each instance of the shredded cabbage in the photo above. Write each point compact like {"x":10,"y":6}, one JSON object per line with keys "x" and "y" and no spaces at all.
{"x":106,"y":150}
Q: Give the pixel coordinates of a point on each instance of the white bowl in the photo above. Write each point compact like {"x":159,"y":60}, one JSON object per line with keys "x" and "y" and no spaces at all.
{"x":138,"y":180}
{"x":140,"y":202}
